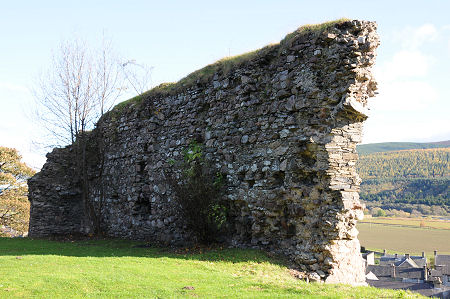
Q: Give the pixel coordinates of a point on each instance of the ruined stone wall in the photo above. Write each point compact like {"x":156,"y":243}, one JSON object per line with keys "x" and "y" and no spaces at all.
{"x":282,"y":124}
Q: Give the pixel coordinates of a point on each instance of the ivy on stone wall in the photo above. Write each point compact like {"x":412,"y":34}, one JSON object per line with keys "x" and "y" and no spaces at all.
{"x":199,"y":191}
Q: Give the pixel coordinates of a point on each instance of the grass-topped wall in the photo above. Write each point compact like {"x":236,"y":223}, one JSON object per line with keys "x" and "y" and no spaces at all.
{"x":278,"y":126}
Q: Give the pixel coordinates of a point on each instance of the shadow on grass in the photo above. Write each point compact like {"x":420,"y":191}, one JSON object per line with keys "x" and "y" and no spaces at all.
{"x":125,"y":248}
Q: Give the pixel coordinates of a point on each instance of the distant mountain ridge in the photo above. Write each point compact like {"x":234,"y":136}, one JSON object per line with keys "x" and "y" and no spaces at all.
{"x":369,"y":148}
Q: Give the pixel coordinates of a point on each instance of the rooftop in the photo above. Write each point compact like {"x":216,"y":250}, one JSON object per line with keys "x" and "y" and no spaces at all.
{"x":400,"y":260}
{"x":441,"y":259}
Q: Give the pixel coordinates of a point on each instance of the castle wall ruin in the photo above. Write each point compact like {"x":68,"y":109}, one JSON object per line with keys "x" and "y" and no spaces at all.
{"x":282,"y":124}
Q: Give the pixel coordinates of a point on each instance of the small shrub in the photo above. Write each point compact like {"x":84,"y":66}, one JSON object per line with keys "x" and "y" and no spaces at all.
{"x":377,"y":212}
{"x":199,"y":191}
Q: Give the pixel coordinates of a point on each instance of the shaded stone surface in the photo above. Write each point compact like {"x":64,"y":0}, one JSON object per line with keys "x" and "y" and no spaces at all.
{"x":282,"y":125}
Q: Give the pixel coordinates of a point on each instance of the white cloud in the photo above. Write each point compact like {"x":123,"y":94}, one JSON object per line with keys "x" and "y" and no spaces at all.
{"x":413,"y":38}
{"x":404,"y":96}
{"x":33,"y":159}
{"x":15,"y":127}
{"x":401,"y":84}
{"x":13,"y":99}
{"x":376,"y":130}
{"x":403,"y":78}
{"x":21,"y":140}
{"x":403,"y":109}
{"x":12,"y":87}
{"x":404,"y":64}
{"x":425,"y":33}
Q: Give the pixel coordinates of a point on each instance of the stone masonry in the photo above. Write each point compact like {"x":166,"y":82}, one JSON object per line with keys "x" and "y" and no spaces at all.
{"x":281,"y":123}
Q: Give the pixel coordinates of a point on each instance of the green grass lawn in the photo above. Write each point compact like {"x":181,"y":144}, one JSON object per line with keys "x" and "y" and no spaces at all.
{"x":118,"y":269}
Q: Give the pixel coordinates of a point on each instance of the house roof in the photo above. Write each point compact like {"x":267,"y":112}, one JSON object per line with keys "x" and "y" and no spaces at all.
{"x":417,"y":261}
{"x":371,"y":276}
{"x":441,"y":270}
{"x":414,"y":273}
{"x":409,"y":263}
{"x":425,"y":289}
{"x":380,"y":271}
{"x":442,"y":259}
{"x":387,"y":271}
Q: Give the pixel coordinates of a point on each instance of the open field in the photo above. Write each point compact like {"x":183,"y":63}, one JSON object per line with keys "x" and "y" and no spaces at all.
{"x":119,"y":269}
{"x":413,"y":222}
{"x":404,"y":236}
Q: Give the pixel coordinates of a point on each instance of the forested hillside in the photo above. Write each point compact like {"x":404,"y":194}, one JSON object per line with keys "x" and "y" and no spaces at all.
{"x":429,"y":163}
{"x":397,"y":146}
{"x":414,"y":181}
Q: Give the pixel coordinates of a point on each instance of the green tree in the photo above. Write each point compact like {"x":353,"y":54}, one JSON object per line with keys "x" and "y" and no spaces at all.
{"x":381,"y":213}
{"x":14,"y":205}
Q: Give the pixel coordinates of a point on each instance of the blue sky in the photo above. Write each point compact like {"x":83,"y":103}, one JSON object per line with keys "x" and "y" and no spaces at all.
{"x":178,"y":37}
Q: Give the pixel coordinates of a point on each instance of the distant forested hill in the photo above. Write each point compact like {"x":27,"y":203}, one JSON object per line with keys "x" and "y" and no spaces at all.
{"x":397,"y":146}
{"x":427,"y":163}
{"x":409,"y":180}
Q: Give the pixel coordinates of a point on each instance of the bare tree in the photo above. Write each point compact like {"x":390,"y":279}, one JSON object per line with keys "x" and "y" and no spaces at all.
{"x":80,"y":86}
{"x":109,"y":77}
{"x":136,"y":75}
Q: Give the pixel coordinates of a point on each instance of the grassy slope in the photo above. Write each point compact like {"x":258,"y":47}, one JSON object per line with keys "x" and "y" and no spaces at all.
{"x":396,"y":146}
{"x":115,"y":269}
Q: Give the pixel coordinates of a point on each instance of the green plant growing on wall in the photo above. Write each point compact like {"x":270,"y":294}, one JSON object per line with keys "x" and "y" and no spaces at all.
{"x":199,"y":191}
